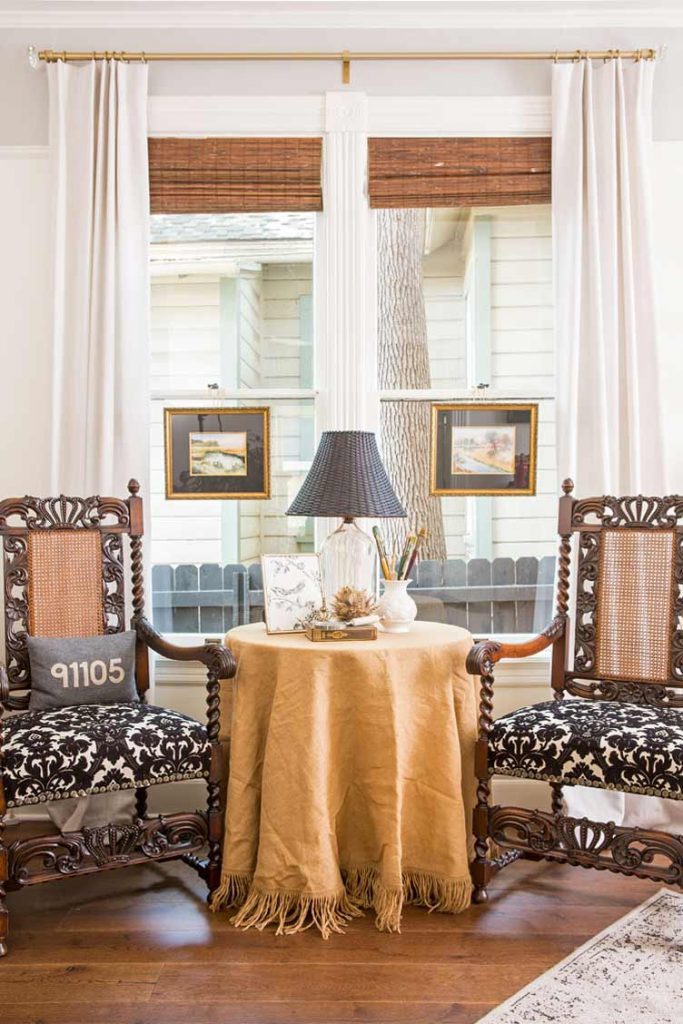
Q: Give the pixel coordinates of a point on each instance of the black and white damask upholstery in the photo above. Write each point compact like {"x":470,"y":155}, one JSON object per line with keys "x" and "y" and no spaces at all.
{"x":95,"y":748}
{"x":605,"y":744}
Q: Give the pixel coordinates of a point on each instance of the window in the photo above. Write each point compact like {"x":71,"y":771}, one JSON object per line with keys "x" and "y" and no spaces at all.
{"x":232,"y":323}
{"x":465,"y":312}
{"x":231,"y":315}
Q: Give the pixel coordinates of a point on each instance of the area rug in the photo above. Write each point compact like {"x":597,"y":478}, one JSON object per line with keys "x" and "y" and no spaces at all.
{"x":631,"y":973}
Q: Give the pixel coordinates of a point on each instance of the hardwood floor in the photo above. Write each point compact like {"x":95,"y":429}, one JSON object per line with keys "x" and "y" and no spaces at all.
{"x":138,"y":946}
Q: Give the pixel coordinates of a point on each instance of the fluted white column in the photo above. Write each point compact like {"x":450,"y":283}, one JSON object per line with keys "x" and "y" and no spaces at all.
{"x":346,"y":278}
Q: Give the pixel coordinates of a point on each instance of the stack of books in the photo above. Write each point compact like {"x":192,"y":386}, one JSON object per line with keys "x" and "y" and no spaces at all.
{"x":331,"y":631}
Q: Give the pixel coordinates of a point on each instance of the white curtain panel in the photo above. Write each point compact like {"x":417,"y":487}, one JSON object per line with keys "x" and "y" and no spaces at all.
{"x":608,"y":412}
{"x":100,"y":181}
{"x":100,"y":346}
{"x":609,"y":430}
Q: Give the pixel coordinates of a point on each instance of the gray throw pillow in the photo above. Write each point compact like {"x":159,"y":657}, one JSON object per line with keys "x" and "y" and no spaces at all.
{"x":81,"y":670}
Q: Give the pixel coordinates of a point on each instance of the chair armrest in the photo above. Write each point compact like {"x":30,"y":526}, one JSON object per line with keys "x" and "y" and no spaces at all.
{"x":486,"y":653}
{"x":217,"y":658}
{"x":10,"y":701}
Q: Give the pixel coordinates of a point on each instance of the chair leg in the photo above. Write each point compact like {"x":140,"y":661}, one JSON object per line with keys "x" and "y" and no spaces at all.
{"x":4,"y":867}
{"x":557,"y":802}
{"x":4,"y":922}
{"x":481,"y":867}
{"x":141,"y":803}
{"x":215,"y":823}
{"x":214,"y":803}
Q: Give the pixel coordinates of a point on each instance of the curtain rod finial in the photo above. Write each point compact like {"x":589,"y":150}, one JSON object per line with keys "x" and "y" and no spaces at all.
{"x":33,"y":58}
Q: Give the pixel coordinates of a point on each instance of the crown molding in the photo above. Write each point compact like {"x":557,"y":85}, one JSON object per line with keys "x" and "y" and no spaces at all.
{"x":457,"y":14}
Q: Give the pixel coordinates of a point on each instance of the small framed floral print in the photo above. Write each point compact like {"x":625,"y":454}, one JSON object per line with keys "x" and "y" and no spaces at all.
{"x":292,"y":591}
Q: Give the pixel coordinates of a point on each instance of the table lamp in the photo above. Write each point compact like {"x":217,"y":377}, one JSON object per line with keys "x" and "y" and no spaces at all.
{"x":347,"y":479}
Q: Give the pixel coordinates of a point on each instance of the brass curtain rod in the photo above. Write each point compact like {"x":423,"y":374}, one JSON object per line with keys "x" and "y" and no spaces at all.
{"x":345,"y":56}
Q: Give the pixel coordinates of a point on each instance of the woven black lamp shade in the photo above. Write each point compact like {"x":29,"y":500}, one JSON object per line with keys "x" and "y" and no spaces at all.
{"x":347,"y":478}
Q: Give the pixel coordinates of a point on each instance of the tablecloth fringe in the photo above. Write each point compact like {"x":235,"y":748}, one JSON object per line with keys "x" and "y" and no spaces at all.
{"x":232,"y":892}
{"x":293,"y":912}
{"x":447,"y":895}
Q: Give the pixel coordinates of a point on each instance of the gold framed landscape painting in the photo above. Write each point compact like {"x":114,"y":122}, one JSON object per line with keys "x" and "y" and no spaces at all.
{"x":483,"y":448}
{"x":217,"y":453}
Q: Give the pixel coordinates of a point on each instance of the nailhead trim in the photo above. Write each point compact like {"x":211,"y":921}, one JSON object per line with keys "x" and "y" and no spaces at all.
{"x":46,"y":798}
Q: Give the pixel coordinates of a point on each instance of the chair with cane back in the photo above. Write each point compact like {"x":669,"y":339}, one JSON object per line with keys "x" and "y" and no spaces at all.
{"x":64,"y":577}
{"x":616,"y":720}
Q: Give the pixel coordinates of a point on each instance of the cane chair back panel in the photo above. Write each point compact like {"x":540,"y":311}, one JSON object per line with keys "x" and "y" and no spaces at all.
{"x":64,"y":575}
{"x":65,"y":583}
{"x":634,"y":613}
{"x":628,"y":625}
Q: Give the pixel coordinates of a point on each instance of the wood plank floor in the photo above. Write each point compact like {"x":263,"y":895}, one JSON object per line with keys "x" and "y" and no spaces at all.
{"x":138,"y":946}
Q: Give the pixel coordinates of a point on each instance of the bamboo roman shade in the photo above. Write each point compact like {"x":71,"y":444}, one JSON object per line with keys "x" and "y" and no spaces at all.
{"x":458,"y":172}
{"x":220,"y":175}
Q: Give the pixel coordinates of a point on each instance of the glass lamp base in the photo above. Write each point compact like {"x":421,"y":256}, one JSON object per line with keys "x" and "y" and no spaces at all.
{"x":348,"y":558}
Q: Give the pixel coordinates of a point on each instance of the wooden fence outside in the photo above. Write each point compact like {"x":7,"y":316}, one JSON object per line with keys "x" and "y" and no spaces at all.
{"x":505,"y":595}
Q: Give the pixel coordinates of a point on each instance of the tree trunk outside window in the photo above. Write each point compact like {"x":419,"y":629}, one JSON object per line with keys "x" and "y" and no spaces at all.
{"x":403,"y":358}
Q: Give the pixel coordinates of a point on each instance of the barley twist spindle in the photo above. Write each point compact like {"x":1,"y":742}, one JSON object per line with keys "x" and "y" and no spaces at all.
{"x":213,"y":788}
{"x":481,"y":843}
{"x":137,"y":575}
{"x":563,"y":575}
{"x":220,"y":664}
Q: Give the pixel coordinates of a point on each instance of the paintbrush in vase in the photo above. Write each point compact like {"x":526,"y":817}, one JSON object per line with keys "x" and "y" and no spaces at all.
{"x":403,"y":561}
{"x":383,"y":560}
{"x":419,"y":541}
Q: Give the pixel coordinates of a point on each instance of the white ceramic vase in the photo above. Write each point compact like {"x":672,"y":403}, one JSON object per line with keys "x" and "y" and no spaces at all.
{"x":396,"y":610}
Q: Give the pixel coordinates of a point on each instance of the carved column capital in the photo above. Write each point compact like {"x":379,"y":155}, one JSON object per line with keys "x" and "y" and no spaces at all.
{"x":346,"y":112}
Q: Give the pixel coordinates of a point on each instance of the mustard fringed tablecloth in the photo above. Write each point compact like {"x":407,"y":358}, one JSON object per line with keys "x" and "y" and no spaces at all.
{"x":351,"y":778}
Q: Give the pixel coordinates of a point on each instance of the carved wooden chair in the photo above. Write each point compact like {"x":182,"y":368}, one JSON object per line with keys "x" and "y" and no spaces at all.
{"x":616,"y":721}
{"x":64,"y":576}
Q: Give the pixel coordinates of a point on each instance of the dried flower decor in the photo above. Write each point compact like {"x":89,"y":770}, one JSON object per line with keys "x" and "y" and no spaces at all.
{"x":317,"y":616}
{"x":349,"y":603}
